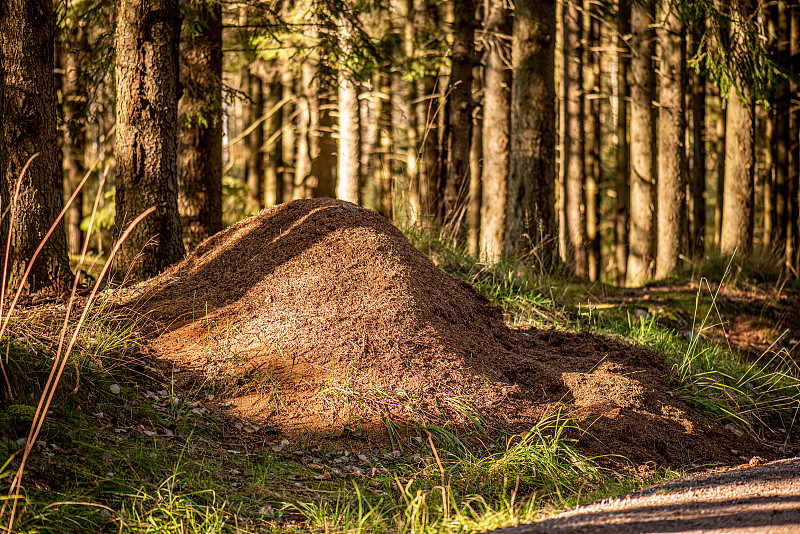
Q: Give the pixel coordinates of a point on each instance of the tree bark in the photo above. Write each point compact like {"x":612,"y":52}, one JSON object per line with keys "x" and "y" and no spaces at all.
{"x":672,"y":171}
{"x":574,"y":140}
{"x":303,"y":186}
{"x":793,"y":212}
{"x":273,"y":127}
{"x":75,"y":98}
{"x":427,"y":109}
{"x":740,"y":163}
{"x":497,"y":120}
{"x":698,"y":187}
{"x":454,"y":187}
{"x":322,"y":146}
{"x":594,"y":172}
{"x":381,"y":161}
{"x":532,"y":225}
{"x":288,"y":114}
{"x":781,"y":120}
{"x":28,"y":127}
{"x":348,"y":185}
{"x":722,"y":127}
{"x":147,"y":40}
{"x":200,"y":132}
{"x":254,"y":142}
{"x":623,"y":148}
{"x":641,"y":256}
{"x":475,"y":172}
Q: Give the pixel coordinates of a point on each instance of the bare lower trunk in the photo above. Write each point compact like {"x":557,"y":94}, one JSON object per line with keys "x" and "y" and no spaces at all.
{"x":698,"y":187}
{"x":147,"y":41}
{"x":594,"y":173}
{"x":254,"y":160}
{"x":28,"y":127}
{"x":349,"y":175}
{"x":272,"y":129}
{"x":475,"y":186}
{"x":454,"y":187}
{"x":497,"y":121}
{"x":200,"y":132}
{"x":574,"y":138}
{"x":672,"y":173}
{"x":641,"y":256}
{"x":532,"y":225}
{"x":288,"y":116}
{"x":623,"y":148}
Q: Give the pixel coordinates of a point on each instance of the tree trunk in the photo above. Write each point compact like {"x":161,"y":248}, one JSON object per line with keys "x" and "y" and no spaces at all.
{"x":28,"y":126}
{"x":475,"y":185}
{"x":200,"y":132}
{"x":147,"y":40}
{"x":698,"y":187}
{"x":594,"y":173}
{"x":623,"y":149}
{"x":532,"y":225}
{"x":740,"y":163}
{"x":722,"y":126}
{"x":74,"y":148}
{"x":672,"y":172}
{"x":348,"y":185}
{"x":454,"y":189}
{"x":793,"y":211}
{"x":781,"y":128}
{"x":497,"y":120}
{"x":381,"y":161}
{"x":641,"y":255}
{"x":574,"y":138}
{"x":272,"y":128}
{"x":427,"y":109}
{"x":303,"y":188}
{"x":322,"y":146}
{"x":288,"y":114}
{"x":254,"y":170}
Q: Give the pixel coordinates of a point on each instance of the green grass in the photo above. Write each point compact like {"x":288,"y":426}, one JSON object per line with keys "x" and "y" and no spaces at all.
{"x":140,"y":460}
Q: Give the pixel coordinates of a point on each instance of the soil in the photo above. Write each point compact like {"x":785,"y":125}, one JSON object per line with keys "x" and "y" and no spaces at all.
{"x":752,"y":498}
{"x":323,"y":319}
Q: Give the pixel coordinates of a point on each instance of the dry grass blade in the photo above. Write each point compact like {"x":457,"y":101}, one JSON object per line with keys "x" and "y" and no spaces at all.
{"x":48,"y":394}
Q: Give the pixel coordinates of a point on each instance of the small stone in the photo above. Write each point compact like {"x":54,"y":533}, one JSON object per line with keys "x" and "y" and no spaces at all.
{"x":115,"y":389}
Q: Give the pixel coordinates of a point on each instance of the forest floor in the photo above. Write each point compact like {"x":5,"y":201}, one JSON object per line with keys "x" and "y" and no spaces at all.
{"x":309,"y":369}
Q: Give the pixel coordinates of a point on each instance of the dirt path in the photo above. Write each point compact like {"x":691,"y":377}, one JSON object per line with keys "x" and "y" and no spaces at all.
{"x":763,"y":498}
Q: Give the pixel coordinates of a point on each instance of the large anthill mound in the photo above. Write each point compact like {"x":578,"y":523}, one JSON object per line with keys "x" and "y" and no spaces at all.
{"x":325,"y":315}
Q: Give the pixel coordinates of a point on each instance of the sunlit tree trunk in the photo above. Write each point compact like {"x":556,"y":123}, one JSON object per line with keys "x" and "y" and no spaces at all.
{"x":497,"y":124}
{"x":574,"y":139}
{"x":349,"y":175}
{"x":455,"y":186}
{"x":147,"y":40}
{"x":475,"y":172}
{"x":623,"y":148}
{"x":27,"y":127}
{"x":740,"y":163}
{"x":641,"y":255}
{"x":594,"y":173}
{"x":698,"y":185}
{"x":288,"y":116}
{"x":254,"y":143}
{"x":532,"y":224}
{"x":672,"y":170}
{"x":75,"y":98}
{"x":200,"y":129}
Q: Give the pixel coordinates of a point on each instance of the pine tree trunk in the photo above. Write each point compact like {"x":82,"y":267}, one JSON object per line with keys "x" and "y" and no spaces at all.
{"x":497,"y":121}
{"x":793,"y":211}
{"x":427,"y":20}
{"x":623,"y":148}
{"x":381,"y":161}
{"x":475,"y":171}
{"x":74,"y":106}
{"x":532,"y":224}
{"x":273,"y":127}
{"x":288,"y":115}
{"x":672,"y":171}
{"x":641,"y":256}
{"x":781,"y":128}
{"x":407,"y":111}
{"x":200,"y":132}
{"x":454,"y":190}
{"x":28,"y":126}
{"x":740,"y":163}
{"x":765,"y":175}
{"x":698,"y":187}
{"x":574,"y":139}
{"x":594,"y":173}
{"x":147,"y":40}
{"x":349,"y":174}
{"x":722,"y":127}
{"x":254,"y":170}
{"x":303,"y":188}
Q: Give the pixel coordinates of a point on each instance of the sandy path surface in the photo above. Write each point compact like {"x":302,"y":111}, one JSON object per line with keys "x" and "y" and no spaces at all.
{"x":758,"y":499}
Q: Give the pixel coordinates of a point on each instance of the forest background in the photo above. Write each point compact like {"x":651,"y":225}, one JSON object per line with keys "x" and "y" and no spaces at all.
{"x":620,"y":140}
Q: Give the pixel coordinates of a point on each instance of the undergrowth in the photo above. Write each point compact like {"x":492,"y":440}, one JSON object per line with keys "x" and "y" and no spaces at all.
{"x":123,"y":450}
